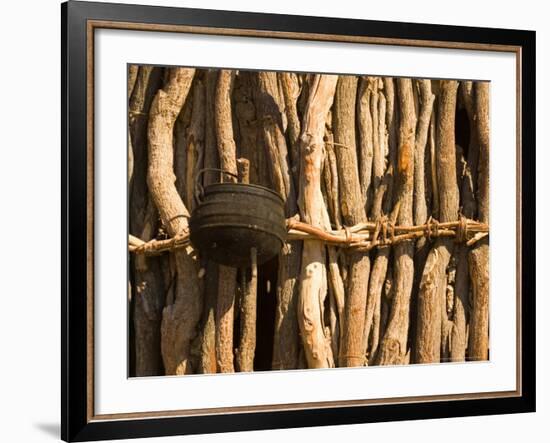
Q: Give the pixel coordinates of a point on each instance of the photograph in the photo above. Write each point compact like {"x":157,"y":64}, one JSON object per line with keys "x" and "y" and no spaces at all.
{"x":295,"y":220}
{"x":303,"y":220}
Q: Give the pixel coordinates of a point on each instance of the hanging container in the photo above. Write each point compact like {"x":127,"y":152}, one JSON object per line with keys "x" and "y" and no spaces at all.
{"x":232,"y":218}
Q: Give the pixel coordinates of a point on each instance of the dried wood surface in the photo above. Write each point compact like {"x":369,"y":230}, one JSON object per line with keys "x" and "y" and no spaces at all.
{"x":180,"y":318}
{"x":385,"y":183}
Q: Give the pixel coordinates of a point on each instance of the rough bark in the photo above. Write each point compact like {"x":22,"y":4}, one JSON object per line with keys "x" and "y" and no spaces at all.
{"x":312,"y":210}
{"x":425,"y":109}
{"x":181,"y":148}
{"x":331,"y":195}
{"x":180,"y":318}
{"x":223,"y":123}
{"x":148,"y":305}
{"x":146,"y":85}
{"x":195,"y":142}
{"x":381,"y":206}
{"x":378,"y":163}
{"x":207,"y":361}
{"x":291,"y":90}
{"x":286,"y":337}
{"x":132,"y":76}
{"x":392,"y":122}
{"x":227,"y":279}
{"x":270,"y":112}
{"x":459,"y":337}
{"x":365,"y":129}
{"x":341,"y":150}
{"x":330,"y":177}
{"x":432,"y":143}
{"x":393,"y":348}
{"x":376,"y":283}
{"x":426,"y":105}
{"x":478,"y":347}
{"x":249,"y":289}
{"x":353,"y":212}
{"x":148,"y":299}
{"x":208,"y":336}
{"x":247,"y":344}
{"x":245,"y":114}
{"x":148,"y":292}
{"x":433,"y":285}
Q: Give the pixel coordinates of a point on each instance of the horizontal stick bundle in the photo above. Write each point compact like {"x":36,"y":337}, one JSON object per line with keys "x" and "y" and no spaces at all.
{"x":362,"y":236}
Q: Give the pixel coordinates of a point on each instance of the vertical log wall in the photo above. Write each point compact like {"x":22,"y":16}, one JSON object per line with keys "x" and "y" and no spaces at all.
{"x":340,"y":150}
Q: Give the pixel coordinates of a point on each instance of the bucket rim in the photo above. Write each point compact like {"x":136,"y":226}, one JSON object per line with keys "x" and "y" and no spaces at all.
{"x":244,"y":185}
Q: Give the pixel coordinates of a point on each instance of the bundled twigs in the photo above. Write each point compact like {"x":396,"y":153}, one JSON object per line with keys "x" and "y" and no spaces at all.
{"x":361,"y":237}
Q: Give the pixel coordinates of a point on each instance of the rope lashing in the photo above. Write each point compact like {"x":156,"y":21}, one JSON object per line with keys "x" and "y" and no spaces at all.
{"x":462,"y":230}
{"x":432,"y":228}
{"x":374,"y":239}
{"x":391,"y":227}
{"x":348,"y":234}
{"x":384,"y":231}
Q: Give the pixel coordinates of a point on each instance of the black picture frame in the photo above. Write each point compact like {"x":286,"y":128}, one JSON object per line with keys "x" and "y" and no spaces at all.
{"x":76,"y":422}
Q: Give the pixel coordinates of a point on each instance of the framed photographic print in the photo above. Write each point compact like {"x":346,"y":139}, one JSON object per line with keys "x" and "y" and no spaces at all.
{"x":277,"y":221}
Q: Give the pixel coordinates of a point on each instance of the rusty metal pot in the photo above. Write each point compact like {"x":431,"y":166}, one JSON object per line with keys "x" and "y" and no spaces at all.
{"x":232,"y":218}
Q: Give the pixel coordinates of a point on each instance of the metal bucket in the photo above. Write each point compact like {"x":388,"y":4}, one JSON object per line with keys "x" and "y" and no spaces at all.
{"x":232,"y":218}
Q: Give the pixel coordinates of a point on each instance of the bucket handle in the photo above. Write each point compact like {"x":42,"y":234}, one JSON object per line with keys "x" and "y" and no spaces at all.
{"x":199,"y":190}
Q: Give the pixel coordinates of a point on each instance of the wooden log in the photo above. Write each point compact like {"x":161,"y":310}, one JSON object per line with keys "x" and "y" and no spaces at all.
{"x":330,"y":176}
{"x":247,"y":125}
{"x":393,"y":348}
{"x":392,"y":123}
{"x":365,"y":130}
{"x":249,"y":286}
{"x":132,"y":77}
{"x":148,"y":296}
{"x":478,"y":347}
{"x":269,"y":112}
{"x":381,"y":206}
{"x":146,"y":85}
{"x":291,"y":90}
{"x":148,"y":306}
{"x":313,"y":287}
{"x":225,"y":308}
{"x":459,"y":341}
{"x":181,"y":146}
{"x":426,"y":106}
{"x":378,"y":161}
{"x":180,"y":318}
{"x":207,"y":362}
{"x":227,"y":279}
{"x":425,"y":101}
{"x":286,"y":336}
{"x":353,"y":211}
{"x":195,"y":142}
{"x":433,"y":285}
{"x":270,"y":105}
{"x":247,"y":343}
{"x":331,"y":195}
